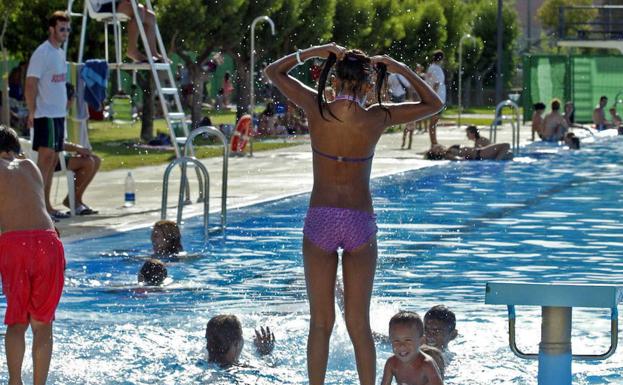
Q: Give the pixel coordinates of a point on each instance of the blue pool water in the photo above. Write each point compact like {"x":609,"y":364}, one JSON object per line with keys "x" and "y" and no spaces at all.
{"x":444,"y":231}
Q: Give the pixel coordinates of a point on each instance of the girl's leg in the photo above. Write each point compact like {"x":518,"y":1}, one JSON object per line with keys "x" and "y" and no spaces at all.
{"x":358,"y":267}
{"x":432,"y":129}
{"x":404,"y":137}
{"x":133,"y":52}
{"x":320,"y":271}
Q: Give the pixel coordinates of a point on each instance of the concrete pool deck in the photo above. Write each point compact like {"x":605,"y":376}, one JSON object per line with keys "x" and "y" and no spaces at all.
{"x":266,"y":176}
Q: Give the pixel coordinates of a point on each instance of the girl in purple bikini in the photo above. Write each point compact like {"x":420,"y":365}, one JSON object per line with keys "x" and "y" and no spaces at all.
{"x":344,"y":134}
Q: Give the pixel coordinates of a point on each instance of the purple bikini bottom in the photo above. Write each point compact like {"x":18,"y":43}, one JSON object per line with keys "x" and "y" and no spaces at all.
{"x":331,"y":227}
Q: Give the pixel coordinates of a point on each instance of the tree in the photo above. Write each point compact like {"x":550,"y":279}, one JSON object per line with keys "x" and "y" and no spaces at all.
{"x":549,"y":16}
{"x":200,"y":28}
{"x":426,"y":32}
{"x":485,"y":29}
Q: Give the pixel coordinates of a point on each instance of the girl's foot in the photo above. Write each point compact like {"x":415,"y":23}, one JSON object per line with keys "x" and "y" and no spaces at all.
{"x":137,"y":57}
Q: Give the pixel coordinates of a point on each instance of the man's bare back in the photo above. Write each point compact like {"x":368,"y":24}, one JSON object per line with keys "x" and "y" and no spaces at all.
{"x":21,"y":196}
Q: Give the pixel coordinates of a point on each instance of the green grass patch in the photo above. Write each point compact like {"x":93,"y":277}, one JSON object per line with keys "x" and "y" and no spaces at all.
{"x":116,"y":145}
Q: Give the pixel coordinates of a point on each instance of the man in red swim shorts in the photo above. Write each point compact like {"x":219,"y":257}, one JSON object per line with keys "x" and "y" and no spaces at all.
{"x":32,"y":261}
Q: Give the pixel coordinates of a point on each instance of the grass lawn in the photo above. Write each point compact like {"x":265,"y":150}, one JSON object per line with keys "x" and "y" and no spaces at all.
{"x":115,"y":144}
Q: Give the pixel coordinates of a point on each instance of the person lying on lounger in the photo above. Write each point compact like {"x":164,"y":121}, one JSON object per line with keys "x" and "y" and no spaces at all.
{"x":498,"y":151}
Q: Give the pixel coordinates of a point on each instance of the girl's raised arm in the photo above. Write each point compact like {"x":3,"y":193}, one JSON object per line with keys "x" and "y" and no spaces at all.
{"x":299,"y":93}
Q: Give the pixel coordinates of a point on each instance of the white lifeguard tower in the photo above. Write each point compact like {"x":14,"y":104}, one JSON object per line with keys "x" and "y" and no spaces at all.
{"x":163,"y":77}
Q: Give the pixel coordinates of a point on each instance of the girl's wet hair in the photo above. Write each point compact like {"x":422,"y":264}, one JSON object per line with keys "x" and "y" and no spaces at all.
{"x":222,"y":332}
{"x":171,"y":234}
{"x":354,"y":69}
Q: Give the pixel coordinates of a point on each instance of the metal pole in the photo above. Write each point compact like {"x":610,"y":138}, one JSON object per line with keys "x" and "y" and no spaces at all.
{"x":529,"y":14}
{"x":252,"y":72}
{"x":555,"y":346}
{"x":500,"y":50}
{"x":468,"y":36}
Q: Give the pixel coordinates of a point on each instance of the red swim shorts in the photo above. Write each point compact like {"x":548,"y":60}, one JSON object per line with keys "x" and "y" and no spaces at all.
{"x":32,"y":265}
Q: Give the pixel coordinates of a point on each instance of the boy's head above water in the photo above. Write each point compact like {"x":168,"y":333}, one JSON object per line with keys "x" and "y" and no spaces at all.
{"x":439,"y":326}
{"x":166,"y":238}
{"x":9,"y":142}
{"x":153,"y":272}
{"x":406,"y":334}
{"x":224,"y":339}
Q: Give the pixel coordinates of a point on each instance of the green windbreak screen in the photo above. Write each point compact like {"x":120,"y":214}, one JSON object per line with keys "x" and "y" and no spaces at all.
{"x":581,"y":79}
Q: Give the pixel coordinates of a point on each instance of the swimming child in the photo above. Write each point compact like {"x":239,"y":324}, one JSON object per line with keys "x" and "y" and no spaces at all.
{"x":409,"y":365}
{"x":153,"y":272}
{"x":225,"y":342}
{"x":440,"y":327}
{"x":32,"y":261}
{"x":166,"y":239}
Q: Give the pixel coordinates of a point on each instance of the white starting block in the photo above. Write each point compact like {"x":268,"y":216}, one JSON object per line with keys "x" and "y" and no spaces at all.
{"x":557,"y":302}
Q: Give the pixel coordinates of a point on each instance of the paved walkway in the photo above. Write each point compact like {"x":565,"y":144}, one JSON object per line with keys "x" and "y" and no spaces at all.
{"x":266,"y":176}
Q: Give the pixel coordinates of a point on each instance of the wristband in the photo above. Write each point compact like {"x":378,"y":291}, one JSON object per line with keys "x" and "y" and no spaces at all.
{"x":298,"y":56}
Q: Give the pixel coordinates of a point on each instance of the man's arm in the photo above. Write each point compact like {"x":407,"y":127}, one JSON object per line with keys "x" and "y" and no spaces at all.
{"x":30,"y":94}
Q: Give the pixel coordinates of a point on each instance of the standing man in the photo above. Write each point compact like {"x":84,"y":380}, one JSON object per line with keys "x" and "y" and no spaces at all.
{"x":437,"y":80}
{"x":46,"y":98}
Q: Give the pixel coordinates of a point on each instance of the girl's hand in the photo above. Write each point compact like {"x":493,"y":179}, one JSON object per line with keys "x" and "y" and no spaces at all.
{"x":264,"y":340}
{"x":338,"y":50}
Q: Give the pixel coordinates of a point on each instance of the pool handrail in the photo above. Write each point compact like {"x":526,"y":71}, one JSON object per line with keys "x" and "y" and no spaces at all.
{"x":614,"y":338}
{"x":213,"y":131}
{"x":183,"y":161}
{"x":498,"y":120}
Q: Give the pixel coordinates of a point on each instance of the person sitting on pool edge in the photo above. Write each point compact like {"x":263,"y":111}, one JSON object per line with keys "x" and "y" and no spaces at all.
{"x":498,"y":151}
{"x":473,"y":133}
{"x":409,"y":365}
{"x":166,"y":239}
{"x":224,"y":340}
{"x":152,"y":273}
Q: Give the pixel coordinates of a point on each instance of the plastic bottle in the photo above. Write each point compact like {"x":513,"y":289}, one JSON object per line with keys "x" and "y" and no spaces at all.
{"x":130,"y":196}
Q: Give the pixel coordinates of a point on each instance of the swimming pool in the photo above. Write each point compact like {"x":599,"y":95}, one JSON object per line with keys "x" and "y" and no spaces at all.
{"x":444,"y":231}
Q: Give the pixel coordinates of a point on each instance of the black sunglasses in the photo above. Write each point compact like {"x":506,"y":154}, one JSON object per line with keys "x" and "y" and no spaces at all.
{"x":63,"y":29}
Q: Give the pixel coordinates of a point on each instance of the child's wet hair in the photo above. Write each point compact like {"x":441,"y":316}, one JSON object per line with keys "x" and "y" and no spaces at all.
{"x":9,"y":141}
{"x":171,"y":234}
{"x":408,"y":318}
{"x":539,"y":106}
{"x":222,"y":332}
{"x":443,"y":314}
{"x":153,"y":272}
{"x":354,"y":69}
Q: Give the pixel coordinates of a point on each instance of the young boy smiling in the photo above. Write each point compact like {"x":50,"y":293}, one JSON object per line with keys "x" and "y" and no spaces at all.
{"x":408,"y":365}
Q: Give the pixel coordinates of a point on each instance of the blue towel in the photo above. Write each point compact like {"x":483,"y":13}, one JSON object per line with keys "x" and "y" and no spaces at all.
{"x":95,"y":76}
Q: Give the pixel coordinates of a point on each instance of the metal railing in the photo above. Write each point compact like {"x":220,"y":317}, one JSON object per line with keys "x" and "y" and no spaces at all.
{"x":590,"y":22}
{"x":500,"y":119}
{"x":203,"y":177}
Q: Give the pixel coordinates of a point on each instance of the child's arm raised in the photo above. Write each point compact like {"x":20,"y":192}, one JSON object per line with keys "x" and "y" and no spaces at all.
{"x":387,"y":373}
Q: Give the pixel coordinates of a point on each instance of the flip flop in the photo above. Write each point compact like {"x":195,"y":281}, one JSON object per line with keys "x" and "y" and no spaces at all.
{"x":85,"y":210}
{"x":58,"y":215}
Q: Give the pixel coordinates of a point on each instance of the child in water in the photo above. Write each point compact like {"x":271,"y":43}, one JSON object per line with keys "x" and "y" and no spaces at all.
{"x":225,"y":342}
{"x":409,"y":365}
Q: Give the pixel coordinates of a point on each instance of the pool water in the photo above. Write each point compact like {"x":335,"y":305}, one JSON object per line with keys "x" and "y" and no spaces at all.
{"x":444,"y":231}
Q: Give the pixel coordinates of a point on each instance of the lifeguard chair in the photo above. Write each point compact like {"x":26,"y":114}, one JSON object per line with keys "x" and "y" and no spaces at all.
{"x":163,"y":76}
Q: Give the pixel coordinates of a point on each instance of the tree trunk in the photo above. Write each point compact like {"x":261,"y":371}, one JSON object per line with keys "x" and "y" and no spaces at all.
{"x":198,"y":78}
{"x":243,"y":98}
{"x":6,"y":112}
{"x":147,"y":118}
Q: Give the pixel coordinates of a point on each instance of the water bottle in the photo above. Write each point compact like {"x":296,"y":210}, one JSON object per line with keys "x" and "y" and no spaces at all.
{"x":130,"y":197}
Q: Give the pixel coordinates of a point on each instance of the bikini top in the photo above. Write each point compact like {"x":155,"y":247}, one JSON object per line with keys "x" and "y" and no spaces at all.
{"x":342,"y":158}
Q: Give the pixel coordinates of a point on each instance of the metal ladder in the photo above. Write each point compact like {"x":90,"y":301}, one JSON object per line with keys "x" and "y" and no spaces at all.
{"x":161,"y":72}
{"x":204,"y":180}
{"x":499,"y":120}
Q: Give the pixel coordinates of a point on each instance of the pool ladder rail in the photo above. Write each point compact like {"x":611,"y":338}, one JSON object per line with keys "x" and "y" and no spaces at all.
{"x":557,"y":303}
{"x":500,"y":119}
{"x":203,"y":177}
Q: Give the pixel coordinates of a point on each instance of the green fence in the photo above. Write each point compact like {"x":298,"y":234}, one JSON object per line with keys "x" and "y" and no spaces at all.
{"x":580,"y":78}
